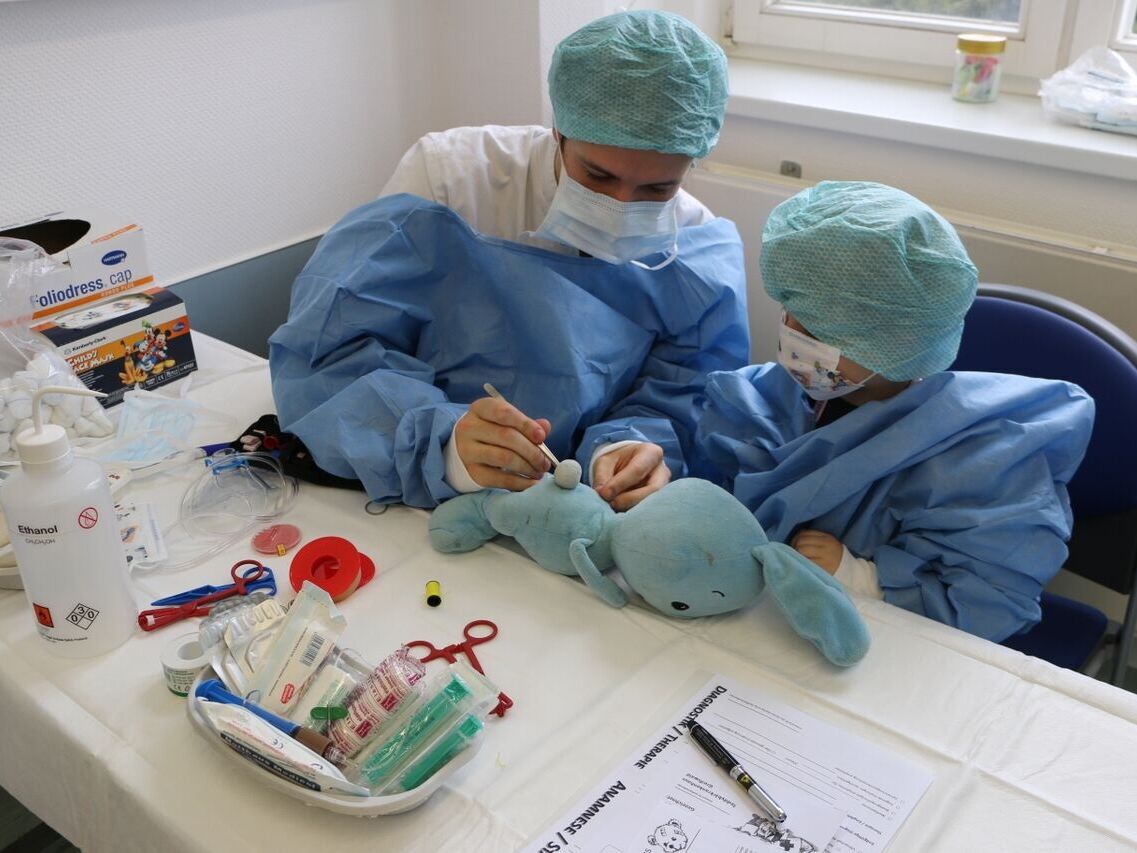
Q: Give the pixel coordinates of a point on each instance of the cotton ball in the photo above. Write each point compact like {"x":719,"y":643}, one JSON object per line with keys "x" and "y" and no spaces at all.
{"x":41,"y":366}
{"x":20,"y":405}
{"x":88,"y":404}
{"x":567,"y":475}
{"x":84,"y":427}
{"x":60,"y":415}
{"x":5,"y":443}
{"x":25,"y":379}
{"x":7,"y":422}
{"x":73,"y":405}
{"x":53,"y":400}
{"x":102,"y":423}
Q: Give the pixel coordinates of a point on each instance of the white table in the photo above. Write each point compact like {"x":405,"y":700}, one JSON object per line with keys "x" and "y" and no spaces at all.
{"x":1025,"y":756}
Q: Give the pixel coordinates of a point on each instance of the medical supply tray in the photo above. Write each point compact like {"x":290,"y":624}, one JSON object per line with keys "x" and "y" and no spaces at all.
{"x":341,"y":803}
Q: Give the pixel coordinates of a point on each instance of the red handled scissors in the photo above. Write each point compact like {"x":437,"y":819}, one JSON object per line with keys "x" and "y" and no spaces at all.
{"x":450,"y":654}
{"x":199,"y":601}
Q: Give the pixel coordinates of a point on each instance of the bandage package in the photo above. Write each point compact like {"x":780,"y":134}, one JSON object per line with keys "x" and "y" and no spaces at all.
{"x":138,"y":339}
{"x":100,"y":255}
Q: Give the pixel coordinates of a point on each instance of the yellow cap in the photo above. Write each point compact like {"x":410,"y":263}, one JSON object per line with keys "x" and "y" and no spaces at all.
{"x":981,"y":43}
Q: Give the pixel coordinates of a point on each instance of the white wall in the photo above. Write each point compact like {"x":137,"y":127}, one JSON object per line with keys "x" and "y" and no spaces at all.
{"x":226,"y":129}
{"x":485,"y":62}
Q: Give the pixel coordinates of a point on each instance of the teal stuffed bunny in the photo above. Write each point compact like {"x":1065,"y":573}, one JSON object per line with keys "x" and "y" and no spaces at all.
{"x":690,"y":549}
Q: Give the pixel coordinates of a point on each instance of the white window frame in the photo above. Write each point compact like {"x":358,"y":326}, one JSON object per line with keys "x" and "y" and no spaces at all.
{"x":770,"y":28}
{"x":1105,"y":22}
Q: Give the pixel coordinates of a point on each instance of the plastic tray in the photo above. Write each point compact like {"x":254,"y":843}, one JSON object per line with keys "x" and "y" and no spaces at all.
{"x":342,"y":803}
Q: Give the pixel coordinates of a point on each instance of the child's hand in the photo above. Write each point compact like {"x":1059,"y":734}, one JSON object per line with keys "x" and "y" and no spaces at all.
{"x":626,"y":476}
{"x":823,"y":549}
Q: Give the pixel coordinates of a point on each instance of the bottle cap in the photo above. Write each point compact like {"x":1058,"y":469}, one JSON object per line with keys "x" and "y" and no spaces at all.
{"x":981,"y":43}
{"x":43,"y":444}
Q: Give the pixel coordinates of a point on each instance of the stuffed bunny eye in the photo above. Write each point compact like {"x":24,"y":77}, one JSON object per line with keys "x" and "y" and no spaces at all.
{"x":716,"y":592}
{"x":679,"y":605}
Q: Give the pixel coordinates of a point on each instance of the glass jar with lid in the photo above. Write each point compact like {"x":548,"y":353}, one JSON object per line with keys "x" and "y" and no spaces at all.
{"x":978,"y":67}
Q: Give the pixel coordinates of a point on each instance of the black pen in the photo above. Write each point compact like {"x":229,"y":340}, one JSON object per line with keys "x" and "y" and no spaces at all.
{"x":718,"y":754}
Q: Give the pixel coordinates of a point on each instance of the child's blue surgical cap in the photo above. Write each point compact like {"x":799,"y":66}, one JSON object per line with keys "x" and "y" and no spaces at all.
{"x":872,"y":271}
{"x":645,"y":79}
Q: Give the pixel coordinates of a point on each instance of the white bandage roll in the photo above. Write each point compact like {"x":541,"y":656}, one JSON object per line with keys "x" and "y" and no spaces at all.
{"x":182,"y":660}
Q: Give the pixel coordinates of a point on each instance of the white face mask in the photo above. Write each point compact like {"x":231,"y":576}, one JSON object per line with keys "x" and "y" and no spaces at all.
{"x":153,"y":427}
{"x":614,"y":231}
{"x":813,"y":365}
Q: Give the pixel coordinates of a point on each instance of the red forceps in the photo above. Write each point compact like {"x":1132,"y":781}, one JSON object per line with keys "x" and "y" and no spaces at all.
{"x":199,"y":601}
{"x":450,"y":653}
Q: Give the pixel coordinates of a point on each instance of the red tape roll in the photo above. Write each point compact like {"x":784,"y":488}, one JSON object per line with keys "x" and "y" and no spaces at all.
{"x":366,"y":569}
{"x":333,"y":564}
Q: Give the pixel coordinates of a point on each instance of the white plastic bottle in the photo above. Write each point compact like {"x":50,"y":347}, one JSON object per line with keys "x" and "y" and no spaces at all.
{"x":67,"y":542}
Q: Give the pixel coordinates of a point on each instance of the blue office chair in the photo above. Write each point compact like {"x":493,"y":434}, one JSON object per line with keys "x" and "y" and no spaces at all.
{"x":1026,"y":332}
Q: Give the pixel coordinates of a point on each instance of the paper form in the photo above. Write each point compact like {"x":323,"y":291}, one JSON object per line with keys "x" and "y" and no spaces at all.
{"x":841,"y":793}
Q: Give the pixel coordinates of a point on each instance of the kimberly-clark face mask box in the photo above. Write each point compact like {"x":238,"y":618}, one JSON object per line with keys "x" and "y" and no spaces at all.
{"x":139,"y":339}
{"x":99,"y":255}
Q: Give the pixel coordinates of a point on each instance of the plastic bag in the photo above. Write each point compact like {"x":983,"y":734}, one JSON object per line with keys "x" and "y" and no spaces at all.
{"x":28,"y":362}
{"x":1098,"y":91}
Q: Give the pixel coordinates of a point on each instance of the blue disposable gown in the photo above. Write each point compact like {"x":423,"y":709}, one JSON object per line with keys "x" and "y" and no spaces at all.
{"x":404,"y":311}
{"x":955,"y":487}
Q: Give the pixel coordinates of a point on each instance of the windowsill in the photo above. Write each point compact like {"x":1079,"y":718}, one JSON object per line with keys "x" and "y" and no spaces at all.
{"x":1012,"y":128}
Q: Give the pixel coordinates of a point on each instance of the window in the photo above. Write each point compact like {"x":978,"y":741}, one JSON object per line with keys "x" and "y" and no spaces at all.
{"x":999,"y":12}
{"x":916,"y":38}
{"x":1109,"y":22}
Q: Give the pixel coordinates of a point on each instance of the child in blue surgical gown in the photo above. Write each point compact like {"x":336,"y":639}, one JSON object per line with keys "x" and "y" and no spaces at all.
{"x":940,"y":492}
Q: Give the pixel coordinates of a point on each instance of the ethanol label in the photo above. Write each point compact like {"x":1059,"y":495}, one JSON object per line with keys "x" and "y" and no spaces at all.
{"x":68,"y":590}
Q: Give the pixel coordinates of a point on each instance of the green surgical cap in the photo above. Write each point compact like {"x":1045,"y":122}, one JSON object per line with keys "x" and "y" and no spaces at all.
{"x":872,"y":271}
{"x":646,"y":79}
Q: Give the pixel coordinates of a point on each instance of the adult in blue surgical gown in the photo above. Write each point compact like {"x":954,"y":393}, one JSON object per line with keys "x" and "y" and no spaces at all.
{"x":940,"y":492}
{"x":586,"y":285}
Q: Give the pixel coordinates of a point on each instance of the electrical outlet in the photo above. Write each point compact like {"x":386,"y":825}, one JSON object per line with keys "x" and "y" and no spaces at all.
{"x":790,"y":169}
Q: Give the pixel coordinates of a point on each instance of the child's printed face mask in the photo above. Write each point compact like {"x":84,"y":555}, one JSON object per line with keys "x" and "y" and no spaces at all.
{"x":813,"y":365}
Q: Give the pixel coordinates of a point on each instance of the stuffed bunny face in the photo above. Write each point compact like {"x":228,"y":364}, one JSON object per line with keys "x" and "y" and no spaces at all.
{"x":688,"y":550}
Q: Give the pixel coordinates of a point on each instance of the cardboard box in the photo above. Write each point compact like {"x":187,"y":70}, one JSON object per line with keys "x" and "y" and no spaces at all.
{"x":138,"y":339}
{"x":100,"y":255}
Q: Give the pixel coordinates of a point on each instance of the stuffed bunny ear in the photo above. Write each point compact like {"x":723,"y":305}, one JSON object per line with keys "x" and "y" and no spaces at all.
{"x":603,"y":586}
{"x":816,"y":605}
{"x":461,"y":523}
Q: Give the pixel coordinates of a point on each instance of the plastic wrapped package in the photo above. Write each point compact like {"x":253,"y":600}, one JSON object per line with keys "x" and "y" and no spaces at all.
{"x":426,"y":731}
{"x":1099,"y":91}
{"x":28,"y":363}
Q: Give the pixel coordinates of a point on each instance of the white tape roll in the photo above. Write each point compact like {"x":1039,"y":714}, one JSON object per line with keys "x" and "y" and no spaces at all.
{"x":182,"y":660}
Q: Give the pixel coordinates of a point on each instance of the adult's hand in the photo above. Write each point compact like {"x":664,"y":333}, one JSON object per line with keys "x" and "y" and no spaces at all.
{"x":498,"y":445}
{"x":627,"y":475}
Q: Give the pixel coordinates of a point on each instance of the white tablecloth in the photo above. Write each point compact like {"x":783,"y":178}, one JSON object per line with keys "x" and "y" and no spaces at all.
{"x":1025,"y":756}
